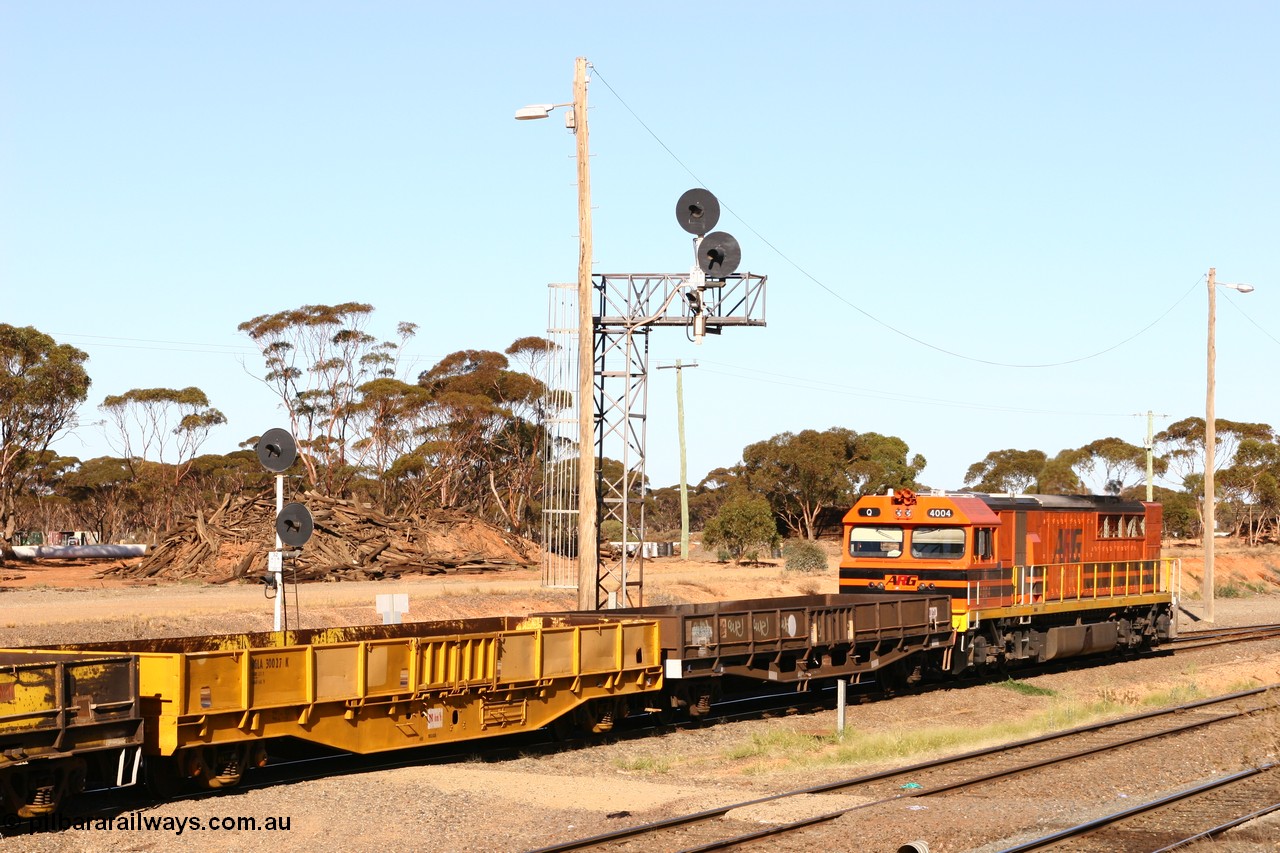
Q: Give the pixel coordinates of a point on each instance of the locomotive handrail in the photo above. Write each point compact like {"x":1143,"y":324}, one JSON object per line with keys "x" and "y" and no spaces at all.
{"x":1051,"y":583}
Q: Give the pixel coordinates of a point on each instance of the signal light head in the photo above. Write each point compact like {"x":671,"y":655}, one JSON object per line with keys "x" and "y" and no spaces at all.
{"x":697,"y":211}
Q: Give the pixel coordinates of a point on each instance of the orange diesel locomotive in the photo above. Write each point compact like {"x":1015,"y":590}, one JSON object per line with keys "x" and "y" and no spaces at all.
{"x":1030,"y":577}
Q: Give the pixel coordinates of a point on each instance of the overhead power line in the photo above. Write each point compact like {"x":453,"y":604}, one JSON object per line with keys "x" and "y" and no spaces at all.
{"x":756,"y":375}
{"x":873,"y":318}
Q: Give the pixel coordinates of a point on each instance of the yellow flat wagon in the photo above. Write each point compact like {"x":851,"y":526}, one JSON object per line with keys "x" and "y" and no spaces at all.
{"x":211,"y":703}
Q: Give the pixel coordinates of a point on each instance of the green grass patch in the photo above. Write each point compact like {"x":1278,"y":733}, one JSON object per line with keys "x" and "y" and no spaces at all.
{"x":784,"y":748}
{"x":1176,"y":695}
{"x":775,"y":743}
{"x":644,"y":764}
{"x":1241,"y":589}
{"x":1026,"y":689}
{"x":787,"y":749}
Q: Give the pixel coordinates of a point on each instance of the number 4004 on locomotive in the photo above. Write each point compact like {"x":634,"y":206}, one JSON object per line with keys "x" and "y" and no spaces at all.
{"x":1030,"y":577}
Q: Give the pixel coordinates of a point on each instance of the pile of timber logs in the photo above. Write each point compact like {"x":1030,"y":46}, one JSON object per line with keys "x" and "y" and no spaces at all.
{"x":350,"y":542}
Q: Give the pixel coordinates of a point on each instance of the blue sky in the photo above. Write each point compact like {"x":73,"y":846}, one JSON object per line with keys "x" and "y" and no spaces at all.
{"x":1019,"y":183}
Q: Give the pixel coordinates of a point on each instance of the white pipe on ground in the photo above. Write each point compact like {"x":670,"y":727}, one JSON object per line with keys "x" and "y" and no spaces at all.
{"x":105,"y":552}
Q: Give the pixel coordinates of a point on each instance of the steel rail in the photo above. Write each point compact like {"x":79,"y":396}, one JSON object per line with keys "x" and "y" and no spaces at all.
{"x":1214,"y":832}
{"x":1191,"y":641}
{"x":827,"y":787}
{"x":794,"y":826}
{"x":1117,"y":817}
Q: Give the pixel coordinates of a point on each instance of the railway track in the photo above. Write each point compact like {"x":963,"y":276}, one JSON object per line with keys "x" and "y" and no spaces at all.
{"x":1225,"y":636}
{"x":1214,"y":806}
{"x":705,"y":831}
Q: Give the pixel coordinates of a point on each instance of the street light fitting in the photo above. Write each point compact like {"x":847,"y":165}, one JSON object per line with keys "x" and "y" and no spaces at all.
{"x":535,"y":111}
{"x":1243,"y":288}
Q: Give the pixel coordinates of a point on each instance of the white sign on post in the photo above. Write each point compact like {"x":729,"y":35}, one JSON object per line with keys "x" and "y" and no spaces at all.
{"x":392,"y":607}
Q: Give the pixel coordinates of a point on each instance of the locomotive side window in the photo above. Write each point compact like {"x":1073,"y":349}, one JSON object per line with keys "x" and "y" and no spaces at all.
{"x":875,"y":541}
{"x":1121,"y":527}
{"x":984,"y":544}
{"x":938,"y":543}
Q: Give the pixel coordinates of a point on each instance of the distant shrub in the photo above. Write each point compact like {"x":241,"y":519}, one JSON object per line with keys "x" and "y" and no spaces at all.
{"x":741,"y":527}
{"x":804,"y":556}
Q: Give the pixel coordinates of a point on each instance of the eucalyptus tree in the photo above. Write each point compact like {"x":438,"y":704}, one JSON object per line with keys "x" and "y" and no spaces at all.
{"x":42,"y":384}
{"x":800,"y":473}
{"x":392,"y":413}
{"x":1181,"y":444}
{"x":1059,"y":476}
{"x":1115,"y":463}
{"x":711,"y":492}
{"x":103,"y":490}
{"x":42,"y":505}
{"x":1252,"y":485}
{"x":1006,"y":471}
{"x":318,"y":357}
{"x":150,"y":422}
{"x":482,"y":438}
{"x":741,"y":527}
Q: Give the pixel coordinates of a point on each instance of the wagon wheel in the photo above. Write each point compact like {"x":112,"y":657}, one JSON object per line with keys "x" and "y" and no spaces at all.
{"x":597,"y":716}
{"x":562,"y":728}
{"x":162,"y":777}
{"x":893,"y":678}
{"x":666,"y":713}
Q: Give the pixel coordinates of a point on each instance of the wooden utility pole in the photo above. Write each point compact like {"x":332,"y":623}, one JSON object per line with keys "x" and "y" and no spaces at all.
{"x":1151,"y":452}
{"x":684,"y":479}
{"x":1210,"y":442}
{"x":588,"y":544}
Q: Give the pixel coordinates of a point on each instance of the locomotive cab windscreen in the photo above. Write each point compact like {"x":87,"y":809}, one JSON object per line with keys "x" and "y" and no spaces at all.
{"x":875,"y":541}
